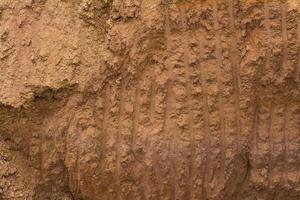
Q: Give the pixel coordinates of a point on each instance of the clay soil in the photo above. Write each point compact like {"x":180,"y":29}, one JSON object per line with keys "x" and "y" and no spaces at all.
{"x":149,"y":99}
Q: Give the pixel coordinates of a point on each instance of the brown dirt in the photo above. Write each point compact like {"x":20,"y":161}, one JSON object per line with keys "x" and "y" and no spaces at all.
{"x":140,"y":99}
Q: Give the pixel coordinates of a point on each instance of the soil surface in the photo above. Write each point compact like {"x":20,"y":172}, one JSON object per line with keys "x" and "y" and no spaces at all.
{"x":149,"y":99}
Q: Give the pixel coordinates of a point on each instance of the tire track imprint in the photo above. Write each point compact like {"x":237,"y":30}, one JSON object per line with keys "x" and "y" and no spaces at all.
{"x":105,"y":118}
{"x":267,"y":19}
{"x":118,"y":135}
{"x":106,"y":109}
{"x":167,"y":115}
{"x":41,"y":157}
{"x":235,"y":75}
{"x":267,"y":27}
{"x":158,"y":182}
{"x":135,"y":123}
{"x":284,"y":62}
{"x":220,"y":87}
{"x":271,"y":145}
{"x":136,"y":113}
{"x":167,"y":132}
{"x":152,"y":101}
{"x":297,"y":70}
{"x":77,"y":161}
{"x":256,"y":130}
{"x":285,"y":145}
{"x":158,"y":176}
{"x":188,"y":103}
{"x":206,"y":128}
{"x":284,"y":33}
{"x":66,"y":157}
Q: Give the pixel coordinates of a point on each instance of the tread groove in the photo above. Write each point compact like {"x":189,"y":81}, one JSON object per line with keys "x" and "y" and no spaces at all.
{"x":236,"y":76}
{"x":152,"y":101}
{"x":271,"y":146}
{"x":284,"y":33}
{"x":77,"y":164}
{"x":207,"y":130}
{"x":285,"y":145}
{"x":188,"y":104}
{"x":268,"y":29}
{"x":105,"y":115}
{"x":256,"y":130}
{"x":166,"y":130}
{"x":297,"y":71}
{"x":167,"y":115}
{"x":220,"y":88}
{"x":118,"y":136}
{"x":152,"y":118}
{"x":106,"y":109}
{"x":41,"y":157}
{"x":136,"y":110}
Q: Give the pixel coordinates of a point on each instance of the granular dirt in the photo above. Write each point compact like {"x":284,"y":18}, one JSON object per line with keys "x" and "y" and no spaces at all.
{"x":140,"y":99}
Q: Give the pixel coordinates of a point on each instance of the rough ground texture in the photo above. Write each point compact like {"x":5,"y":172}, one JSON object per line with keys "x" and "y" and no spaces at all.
{"x":149,"y":99}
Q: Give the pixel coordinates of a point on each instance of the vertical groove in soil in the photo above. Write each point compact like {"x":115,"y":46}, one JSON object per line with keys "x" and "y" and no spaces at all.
{"x":271,"y":146}
{"x":284,"y":33}
{"x":41,"y":157}
{"x":220,"y":87}
{"x":188,"y":104}
{"x":167,"y":117}
{"x":235,"y":75}
{"x":297,"y":71}
{"x":158,"y":183}
{"x":207,"y":130}
{"x":256,"y":131}
{"x":136,"y":110}
{"x":78,"y":175}
{"x":285,"y":145}
{"x":118,"y":136}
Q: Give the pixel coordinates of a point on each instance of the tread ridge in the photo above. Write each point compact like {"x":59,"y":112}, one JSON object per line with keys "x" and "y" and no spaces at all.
{"x":135,"y":124}
{"x":256,"y":130}
{"x":136,"y":110}
{"x":284,"y":33}
{"x":41,"y":157}
{"x":106,"y":109}
{"x":297,"y":70}
{"x":167,"y":114}
{"x":285,"y":145}
{"x":236,"y":76}
{"x":152,"y":101}
{"x":118,"y":136}
{"x":77,"y":164}
{"x":271,"y":145}
{"x":188,"y":103}
{"x":148,"y":142}
{"x":206,"y":128}
{"x":220,"y":88}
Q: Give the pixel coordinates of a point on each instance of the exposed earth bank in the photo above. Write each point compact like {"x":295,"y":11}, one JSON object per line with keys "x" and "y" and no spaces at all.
{"x":140,"y":99}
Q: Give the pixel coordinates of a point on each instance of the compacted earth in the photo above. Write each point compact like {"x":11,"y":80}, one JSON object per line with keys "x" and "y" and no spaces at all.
{"x":149,"y":99}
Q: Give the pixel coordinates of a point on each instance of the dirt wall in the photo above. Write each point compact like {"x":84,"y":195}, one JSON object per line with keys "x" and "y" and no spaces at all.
{"x":138,"y":99}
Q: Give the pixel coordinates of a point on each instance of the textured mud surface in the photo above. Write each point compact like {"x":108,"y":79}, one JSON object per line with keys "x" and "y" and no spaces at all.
{"x":140,"y":99}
